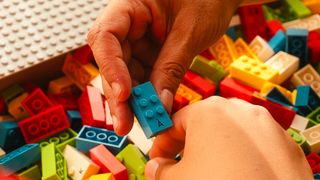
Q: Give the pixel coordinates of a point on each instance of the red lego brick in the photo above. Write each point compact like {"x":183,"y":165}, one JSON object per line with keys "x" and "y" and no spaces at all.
{"x":198,"y":84}
{"x":314,"y":162}
{"x":273,"y":26}
{"x":91,"y":106}
{"x":314,"y":46}
{"x":44,"y":124}
{"x":252,"y":21}
{"x":36,"y":102}
{"x":67,"y":100}
{"x":83,"y":55}
{"x":2,"y":106}
{"x":313,"y":35}
{"x":109,"y":122}
{"x":207,"y":54}
{"x":108,"y":163}
{"x":29,"y":87}
{"x":179,"y":102}
{"x":230,"y":87}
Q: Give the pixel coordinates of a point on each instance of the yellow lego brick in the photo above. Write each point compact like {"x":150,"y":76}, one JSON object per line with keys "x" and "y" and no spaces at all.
{"x":312,"y":137}
{"x":243,"y":48}
{"x":252,"y":72}
{"x":224,"y":51}
{"x":307,"y":76}
{"x":106,"y":176}
{"x":313,"y":5}
{"x":61,"y":85}
{"x":293,"y":96}
{"x":2,"y":152}
{"x":16,"y":109}
{"x":268,"y":86}
{"x":188,"y":93}
{"x":30,"y":173}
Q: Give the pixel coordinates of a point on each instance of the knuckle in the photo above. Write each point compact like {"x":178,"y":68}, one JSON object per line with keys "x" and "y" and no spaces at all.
{"x":92,"y":34}
{"x":260,"y":111}
{"x":174,"y":70}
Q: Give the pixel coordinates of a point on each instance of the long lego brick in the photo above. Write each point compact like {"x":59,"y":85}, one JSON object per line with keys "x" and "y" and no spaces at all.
{"x":89,"y":137}
{"x":10,"y":136}
{"x":44,"y":124}
{"x":61,"y":139}
{"x":109,"y":122}
{"x":36,"y":102}
{"x":108,"y":162}
{"x":307,"y":76}
{"x":149,"y":110}
{"x":19,"y":159}
{"x":297,"y":44}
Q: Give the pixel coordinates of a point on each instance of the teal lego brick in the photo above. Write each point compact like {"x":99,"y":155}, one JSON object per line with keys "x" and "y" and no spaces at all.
{"x":10,"y":136}
{"x":19,"y":159}
{"x":278,"y":41}
{"x":149,"y":110}
{"x":297,"y":44}
{"x":90,"y":137}
{"x":306,"y":100}
{"x":61,"y":139}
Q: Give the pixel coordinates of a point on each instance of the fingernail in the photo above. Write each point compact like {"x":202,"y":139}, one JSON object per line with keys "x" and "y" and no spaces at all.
{"x":151,"y":170}
{"x":166,"y":97}
{"x":115,"y":122}
{"x":116,"y":89}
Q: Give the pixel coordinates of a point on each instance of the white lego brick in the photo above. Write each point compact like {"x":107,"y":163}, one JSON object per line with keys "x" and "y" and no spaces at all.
{"x":79,"y":166}
{"x":2,"y":152}
{"x":261,"y":48}
{"x":307,"y":76}
{"x":285,"y":63}
{"x":235,"y":21}
{"x":97,"y":83}
{"x":312,"y":137}
{"x":310,"y":23}
{"x":137,"y":136}
{"x":299,"y":123}
{"x":33,"y":31}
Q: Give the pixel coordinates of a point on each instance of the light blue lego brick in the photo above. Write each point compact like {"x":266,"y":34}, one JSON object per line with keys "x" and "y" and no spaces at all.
{"x":10,"y":136}
{"x":149,"y":110}
{"x":306,"y":100}
{"x":297,"y":44}
{"x":19,"y":159}
{"x":90,"y":137}
{"x":278,"y":41}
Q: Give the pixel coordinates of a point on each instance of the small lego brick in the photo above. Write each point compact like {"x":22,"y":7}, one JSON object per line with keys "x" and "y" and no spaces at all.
{"x":97,"y":83}
{"x":89,"y":137}
{"x":10,"y":136}
{"x":31,"y":173}
{"x":299,"y":123}
{"x":54,"y":165}
{"x":134,"y":160}
{"x":44,"y":124}
{"x":209,"y":69}
{"x":306,"y":100}
{"x":285,"y":63}
{"x":75,"y":120}
{"x":106,"y":176}
{"x":2,"y":152}
{"x":179,"y":102}
{"x":313,"y":5}
{"x":149,"y":110}
{"x":36,"y":102}
{"x":67,"y":100}
{"x":261,"y":48}
{"x":296,"y":8}
{"x":108,"y":162}
{"x":79,"y":165}
{"x":276,"y":96}
{"x":267,"y":87}
{"x":278,"y":41}
{"x":243,"y":48}
{"x":109,"y":122}
{"x":19,"y":159}
{"x":224,"y":51}
{"x":252,"y":72}
{"x":307,"y":76}
{"x":11,"y":93}
{"x":298,"y":139}
{"x":273,"y":26}
{"x":312,"y":137}
{"x":83,"y":54}
{"x":297,"y":44}
{"x":314,"y":117}
{"x":230,"y":87}
{"x":198,"y":84}
{"x":60,"y":139}
{"x":16,"y":109}
{"x":137,"y":137}
{"x":314,"y":161}
{"x":61,"y":85}
{"x":2,"y":106}
{"x":80,"y":74}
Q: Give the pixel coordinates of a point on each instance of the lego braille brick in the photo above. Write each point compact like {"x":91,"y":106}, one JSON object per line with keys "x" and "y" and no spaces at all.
{"x":89,"y":137}
{"x":252,"y":72}
{"x":312,"y":137}
{"x":297,"y":44}
{"x":261,"y":48}
{"x":299,"y":123}
{"x":306,"y":100}
{"x":60,"y":139}
{"x":278,"y":41}
{"x":314,"y":117}
{"x":61,"y":85}
{"x":307,"y":76}
{"x":79,"y":165}
{"x":149,"y":110}
{"x":311,"y":23}
{"x":53,"y":163}
{"x":36,"y":102}
{"x":33,"y":172}
{"x":19,"y":159}
{"x":10,"y":136}
{"x":32,"y":32}
{"x":16,"y":109}
{"x":243,"y":48}
{"x":83,"y":54}
{"x":44,"y":124}
{"x":134,"y":160}
{"x":108,"y":162}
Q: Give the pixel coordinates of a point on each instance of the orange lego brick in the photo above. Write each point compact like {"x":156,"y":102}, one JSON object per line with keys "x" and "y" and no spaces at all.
{"x":16,"y":109}
{"x":61,"y":85}
{"x":188,"y":93}
{"x":307,"y":76}
{"x":313,"y":5}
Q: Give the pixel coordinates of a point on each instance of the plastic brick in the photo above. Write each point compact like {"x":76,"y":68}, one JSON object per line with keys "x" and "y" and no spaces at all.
{"x":297,"y":138}
{"x":149,"y":110}
{"x":75,"y":120}
{"x":31,"y":173}
{"x":314,"y":116}
{"x":179,"y":102}
{"x":61,"y":85}
{"x":306,"y":100}
{"x":243,"y":48}
{"x":278,"y":41}
{"x":297,"y":44}
{"x":10,"y":136}
{"x":12,"y":92}
{"x":83,"y":54}
{"x":16,"y":109}
{"x":67,"y":100}
{"x":273,"y":26}
{"x":296,"y":8}
{"x":312,"y":137}
{"x":314,"y":162}
{"x":136,"y":136}
{"x":36,"y":102}
{"x":307,"y":76}
{"x":109,"y":121}
{"x":261,"y":48}
{"x":276,"y":96}
{"x":299,"y":123}
{"x":61,"y":139}
{"x":105,"y":176}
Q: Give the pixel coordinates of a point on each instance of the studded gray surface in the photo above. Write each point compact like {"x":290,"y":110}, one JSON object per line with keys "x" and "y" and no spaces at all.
{"x":33,"y":31}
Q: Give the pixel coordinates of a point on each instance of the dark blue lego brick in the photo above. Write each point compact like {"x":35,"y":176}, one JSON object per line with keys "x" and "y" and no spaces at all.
{"x":90,"y":137}
{"x":10,"y":136}
{"x":306,"y":100}
{"x":19,"y":159}
{"x":297,"y":44}
{"x":148,"y":109}
{"x":74,"y":118}
{"x":231,"y":32}
{"x":278,"y":41}
{"x":316,"y":176}
{"x":276,"y":96}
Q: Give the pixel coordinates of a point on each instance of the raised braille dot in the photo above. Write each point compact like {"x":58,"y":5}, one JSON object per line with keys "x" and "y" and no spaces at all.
{"x":160,"y":110}
{"x":149,"y":113}
{"x":154,"y":98}
{"x":143,"y":102}
{"x":137,"y":91}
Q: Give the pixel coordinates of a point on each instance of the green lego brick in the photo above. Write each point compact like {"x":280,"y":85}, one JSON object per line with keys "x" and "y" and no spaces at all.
{"x":298,"y":139}
{"x":296,"y":8}
{"x":314,"y":117}
{"x":61,"y":139}
{"x":31,"y":173}
{"x":54,"y":166}
{"x":134,"y":160}
{"x":12,"y":92}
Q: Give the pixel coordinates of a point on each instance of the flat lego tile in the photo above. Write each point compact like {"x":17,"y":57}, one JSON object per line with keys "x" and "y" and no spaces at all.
{"x":137,"y":137}
{"x":36,"y":102}
{"x":299,"y":123}
{"x":16,"y":109}
{"x":106,"y":176}
{"x":312,"y":136}
{"x":307,"y":76}
{"x":33,"y":172}
{"x":278,"y":41}
{"x":297,"y":44}
{"x":261,"y":48}
{"x":149,"y":110}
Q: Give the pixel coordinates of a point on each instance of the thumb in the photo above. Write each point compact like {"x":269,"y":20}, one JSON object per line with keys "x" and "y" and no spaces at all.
{"x":160,"y":168}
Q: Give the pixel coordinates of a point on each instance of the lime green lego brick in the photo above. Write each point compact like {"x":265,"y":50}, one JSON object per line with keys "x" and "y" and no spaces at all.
{"x":12,"y":92}
{"x":30,"y":173}
{"x":134,"y":160}
{"x":314,"y":117}
{"x":54,"y":166}
{"x":61,"y":139}
{"x":298,"y":139}
{"x":296,"y":8}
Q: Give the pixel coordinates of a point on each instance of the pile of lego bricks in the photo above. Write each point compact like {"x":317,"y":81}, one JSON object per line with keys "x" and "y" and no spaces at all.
{"x":67,"y":132}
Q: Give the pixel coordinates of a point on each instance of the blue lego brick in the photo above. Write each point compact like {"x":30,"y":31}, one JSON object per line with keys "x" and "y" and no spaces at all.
{"x":75,"y":120}
{"x":10,"y":136}
{"x":148,"y":109}
{"x":19,"y":159}
{"x":297,"y":44}
{"x":316,"y":176}
{"x":90,"y":137}
{"x":306,"y":100}
{"x":278,"y":41}
{"x":276,"y":96}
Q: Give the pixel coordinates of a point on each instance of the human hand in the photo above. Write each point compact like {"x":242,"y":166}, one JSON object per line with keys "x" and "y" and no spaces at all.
{"x":138,"y":40}
{"x":226,"y":139}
